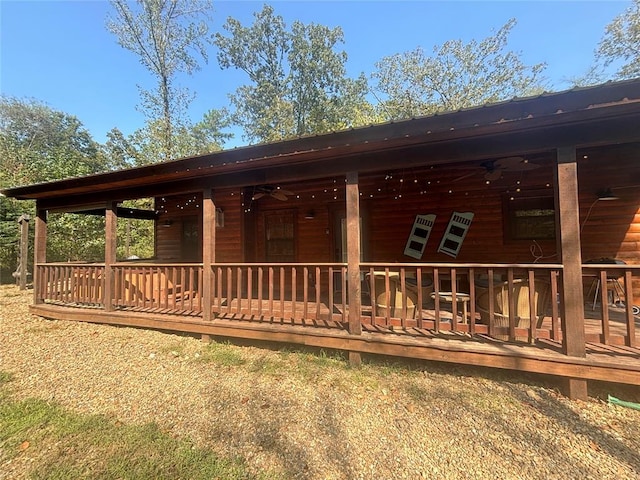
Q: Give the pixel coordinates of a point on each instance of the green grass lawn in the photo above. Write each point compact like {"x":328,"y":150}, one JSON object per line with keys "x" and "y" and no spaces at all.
{"x":64,"y":445}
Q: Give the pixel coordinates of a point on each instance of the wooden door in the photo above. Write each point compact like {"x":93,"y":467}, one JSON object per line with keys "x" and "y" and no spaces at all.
{"x":280,"y":236}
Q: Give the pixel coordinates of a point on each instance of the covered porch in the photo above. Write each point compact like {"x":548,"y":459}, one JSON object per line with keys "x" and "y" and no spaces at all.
{"x":350,"y":240}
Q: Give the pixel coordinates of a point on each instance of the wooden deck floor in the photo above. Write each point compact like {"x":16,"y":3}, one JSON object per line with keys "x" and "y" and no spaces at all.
{"x":609,"y":363}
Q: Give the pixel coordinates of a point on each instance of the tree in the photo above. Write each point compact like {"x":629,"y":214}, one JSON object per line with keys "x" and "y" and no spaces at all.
{"x":168,"y":36}
{"x":298,"y":83}
{"x":119,"y":150}
{"x":621,"y":42}
{"x":458,"y":75}
{"x":39,"y":144}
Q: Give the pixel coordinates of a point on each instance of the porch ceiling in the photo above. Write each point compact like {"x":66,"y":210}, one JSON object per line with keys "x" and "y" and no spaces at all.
{"x":586,"y":117}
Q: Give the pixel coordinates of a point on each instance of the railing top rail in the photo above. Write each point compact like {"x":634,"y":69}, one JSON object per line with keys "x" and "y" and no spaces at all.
{"x":610,"y":266}
{"x":539,"y":266}
{"x":276,"y":264}
{"x":155,"y":264}
{"x":531,"y":266}
{"x":70,"y":264}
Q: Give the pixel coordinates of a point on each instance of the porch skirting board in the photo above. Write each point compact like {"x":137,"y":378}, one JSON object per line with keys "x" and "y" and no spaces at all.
{"x":620,"y":365}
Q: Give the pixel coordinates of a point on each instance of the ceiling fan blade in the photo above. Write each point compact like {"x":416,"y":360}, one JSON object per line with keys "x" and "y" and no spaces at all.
{"x":258,"y":195}
{"x":515,"y":164}
{"x":277,"y":194}
{"x":493,"y":175}
{"x":286,"y":192}
{"x":466,"y":175}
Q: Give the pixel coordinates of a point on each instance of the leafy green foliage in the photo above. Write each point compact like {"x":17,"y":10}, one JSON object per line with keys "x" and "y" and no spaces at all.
{"x":75,"y":237}
{"x":39,"y":144}
{"x":188,"y":139}
{"x":621,"y":43}
{"x":10,"y":211}
{"x":298,"y":83}
{"x":168,"y":37}
{"x":457,"y":75}
{"x":136,"y":237}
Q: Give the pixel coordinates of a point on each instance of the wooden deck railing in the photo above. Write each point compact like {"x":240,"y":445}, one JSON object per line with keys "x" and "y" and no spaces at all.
{"x":172,"y":288}
{"x":152,"y":287}
{"x":75,"y":283}
{"x":488,"y":299}
{"x":400,"y":295}
{"x":609,"y":292}
{"x":294,"y":292}
{"x":515,"y":302}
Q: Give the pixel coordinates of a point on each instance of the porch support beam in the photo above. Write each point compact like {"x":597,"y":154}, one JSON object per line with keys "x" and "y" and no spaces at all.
{"x":110,"y":247}
{"x":568,"y":230}
{"x":208,"y":251}
{"x":39,"y":250}
{"x":21,"y":274}
{"x":353,"y":259}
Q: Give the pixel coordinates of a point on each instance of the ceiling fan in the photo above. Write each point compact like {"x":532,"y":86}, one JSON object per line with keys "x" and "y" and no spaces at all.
{"x":493,"y":169}
{"x":269,"y":190}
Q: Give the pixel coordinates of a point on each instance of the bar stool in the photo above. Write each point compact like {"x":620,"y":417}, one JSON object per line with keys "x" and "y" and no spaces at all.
{"x":613,"y":283}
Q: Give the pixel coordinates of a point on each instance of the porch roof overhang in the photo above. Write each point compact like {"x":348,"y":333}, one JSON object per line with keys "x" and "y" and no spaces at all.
{"x":581,"y":117}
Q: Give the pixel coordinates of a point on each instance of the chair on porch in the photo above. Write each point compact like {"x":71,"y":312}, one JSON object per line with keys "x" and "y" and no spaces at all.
{"x":153,"y":287}
{"x":393,"y":303}
{"x":522,"y":313}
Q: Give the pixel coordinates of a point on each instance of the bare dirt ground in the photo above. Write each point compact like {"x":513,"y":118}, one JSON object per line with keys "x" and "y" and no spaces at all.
{"x":303,"y":415}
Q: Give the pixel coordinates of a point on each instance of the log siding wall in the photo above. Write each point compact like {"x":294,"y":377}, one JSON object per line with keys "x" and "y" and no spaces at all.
{"x":390,"y":200}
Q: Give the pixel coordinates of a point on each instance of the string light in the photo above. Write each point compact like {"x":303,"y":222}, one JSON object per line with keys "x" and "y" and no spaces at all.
{"x":388,"y":185}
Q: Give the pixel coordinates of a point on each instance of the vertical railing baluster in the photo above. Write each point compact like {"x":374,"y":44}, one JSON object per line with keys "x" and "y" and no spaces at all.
{"x":604,"y":307}
{"x":472,"y":301}
{"x":403,"y":295}
{"x":250,"y":290}
{"x":331,"y":291}
{"x":532,"y":308}
{"x":260,"y":289}
{"x":239,"y":289}
{"x":270,"y":304}
{"x":318,"y":293}
{"x":305,"y":293}
{"x":454,"y":299}
{"x":294,"y":288}
{"x":282,"y":279}
{"x":374,"y":296}
{"x":628,"y":302}
{"x":555,"y":313}
{"x":436,"y":299}
{"x":420,"y":299}
{"x":512,"y":305}
{"x":229,"y":289}
{"x":219,"y":293}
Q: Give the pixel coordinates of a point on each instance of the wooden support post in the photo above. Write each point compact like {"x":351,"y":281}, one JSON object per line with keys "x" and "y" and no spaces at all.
{"x":568,"y":234}
{"x":23,"y":270}
{"x":111,"y":244}
{"x":353,"y":260}
{"x":39,"y":252}
{"x":208,"y":251}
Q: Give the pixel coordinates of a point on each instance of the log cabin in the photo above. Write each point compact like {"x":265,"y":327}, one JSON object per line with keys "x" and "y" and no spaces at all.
{"x":504,"y":236}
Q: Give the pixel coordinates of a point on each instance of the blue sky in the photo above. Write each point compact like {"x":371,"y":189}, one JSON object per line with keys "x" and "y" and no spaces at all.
{"x":60,"y":52}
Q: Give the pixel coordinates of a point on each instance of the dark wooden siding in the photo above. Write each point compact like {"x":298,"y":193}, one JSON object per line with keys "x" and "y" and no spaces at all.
{"x":391,"y":200}
{"x":180,"y":208}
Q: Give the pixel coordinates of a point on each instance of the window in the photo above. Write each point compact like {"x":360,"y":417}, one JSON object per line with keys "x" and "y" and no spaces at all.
{"x":529,"y":217}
